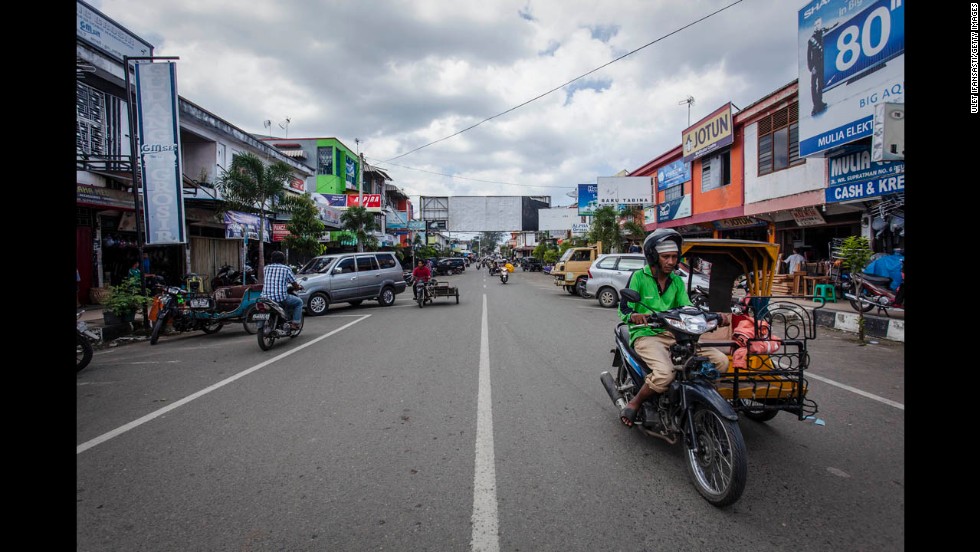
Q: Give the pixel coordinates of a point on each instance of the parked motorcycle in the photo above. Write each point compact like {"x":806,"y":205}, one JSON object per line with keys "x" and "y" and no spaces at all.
{"x":227,"y":276}
{"x":176,"y":306}
{"x":84,"y":338}
{"x":272,"y":321}
{"x":867,"y":291}
{"x":691,"y":409}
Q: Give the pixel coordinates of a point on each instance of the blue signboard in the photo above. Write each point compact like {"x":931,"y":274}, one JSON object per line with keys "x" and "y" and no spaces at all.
{"x":853,"y":175}
{"x":674,"y":209}
{"x":864,"y":42}
{"x":673,"y":174}
{"x":851,"y":57}
{"x":588,"y":199}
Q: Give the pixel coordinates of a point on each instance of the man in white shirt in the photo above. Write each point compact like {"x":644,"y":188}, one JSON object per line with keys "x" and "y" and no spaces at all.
{"x":795,"y":261}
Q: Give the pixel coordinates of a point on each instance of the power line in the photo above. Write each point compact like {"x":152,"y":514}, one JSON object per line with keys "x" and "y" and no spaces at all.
{"x":538,"y":97}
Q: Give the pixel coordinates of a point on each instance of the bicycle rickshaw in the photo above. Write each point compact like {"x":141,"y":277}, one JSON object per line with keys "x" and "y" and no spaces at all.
{"x":768,"y":349}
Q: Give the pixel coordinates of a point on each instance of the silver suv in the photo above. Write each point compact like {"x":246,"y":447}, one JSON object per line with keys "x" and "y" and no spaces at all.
{"x":350,"y":278}
{"x":611,"y":272}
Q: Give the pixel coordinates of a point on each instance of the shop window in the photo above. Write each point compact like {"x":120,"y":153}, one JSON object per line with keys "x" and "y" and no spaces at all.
{"x":779,"y":140}
{"x":716,"y":171}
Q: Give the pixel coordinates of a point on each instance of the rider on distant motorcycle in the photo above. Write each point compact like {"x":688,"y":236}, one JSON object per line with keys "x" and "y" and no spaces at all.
{"x":420,"y":273}
{"x":276,"y":277}
{"x":662,"y":290}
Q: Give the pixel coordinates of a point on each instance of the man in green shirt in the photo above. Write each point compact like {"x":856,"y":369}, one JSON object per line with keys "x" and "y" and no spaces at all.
{"x":661,"y":290}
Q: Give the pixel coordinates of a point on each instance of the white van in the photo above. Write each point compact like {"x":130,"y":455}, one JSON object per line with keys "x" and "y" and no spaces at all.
{"x":350,"y":278}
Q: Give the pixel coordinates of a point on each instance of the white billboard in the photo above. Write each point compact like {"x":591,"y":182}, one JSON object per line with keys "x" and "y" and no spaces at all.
{"x":557,"y":219}
{"x":624,"y":190}
{"x":484,"y":213}
{"x":158,"y":128}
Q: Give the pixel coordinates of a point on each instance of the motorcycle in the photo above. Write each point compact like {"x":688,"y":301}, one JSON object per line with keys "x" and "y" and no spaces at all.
{"x":272,"y":321}
{"x":228,"y":276}
{"x":503,"y":273}
{"x":84,"y":338}
{"x":867,"y":291}
{"x":177,"y":307}
{"x":422,"y":291}
{"x":691,"y":409}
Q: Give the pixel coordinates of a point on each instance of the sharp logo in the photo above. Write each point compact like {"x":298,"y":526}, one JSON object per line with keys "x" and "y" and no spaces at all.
{"x":816,"y":6}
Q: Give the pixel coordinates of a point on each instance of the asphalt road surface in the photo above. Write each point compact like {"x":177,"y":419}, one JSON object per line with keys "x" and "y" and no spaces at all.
{"x":473,"y":426}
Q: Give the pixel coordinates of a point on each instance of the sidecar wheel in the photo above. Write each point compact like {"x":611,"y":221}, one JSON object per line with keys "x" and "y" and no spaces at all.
{"x":212,"y":327}
{"x":719,"y":467}
{"x":251,"y":327}
{"x":757,"y":415}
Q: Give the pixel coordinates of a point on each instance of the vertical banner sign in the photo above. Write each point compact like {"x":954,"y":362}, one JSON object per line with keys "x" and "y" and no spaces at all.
{"x":159,"y":152}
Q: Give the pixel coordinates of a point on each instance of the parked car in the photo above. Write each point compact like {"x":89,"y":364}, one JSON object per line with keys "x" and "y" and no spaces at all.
{"x":446,"y":265}
{"x":350,"y":278}
{"x":531,"y":264}
{"x":611,"y":272}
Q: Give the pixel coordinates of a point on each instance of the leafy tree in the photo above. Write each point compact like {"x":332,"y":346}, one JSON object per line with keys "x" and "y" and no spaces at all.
{"x":251,"y":186}
{"x":489,"y":242}
{"x":550,"y":256}
{"x":614,"y":228}
{"x":855,"y":252}
{"x":305,"y":229}
{"x":359,"y":221}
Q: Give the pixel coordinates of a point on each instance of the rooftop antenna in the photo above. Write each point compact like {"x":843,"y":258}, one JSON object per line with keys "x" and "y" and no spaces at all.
{"x":284,"y":124}
{"x":268,"y":126}
{"x":689,"y":101}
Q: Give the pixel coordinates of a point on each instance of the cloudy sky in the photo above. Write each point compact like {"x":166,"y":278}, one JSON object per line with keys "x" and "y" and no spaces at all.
{"x":474,"y":97}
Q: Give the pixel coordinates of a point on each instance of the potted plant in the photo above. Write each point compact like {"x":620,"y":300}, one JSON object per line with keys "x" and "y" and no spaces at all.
{"x":123,"y":301}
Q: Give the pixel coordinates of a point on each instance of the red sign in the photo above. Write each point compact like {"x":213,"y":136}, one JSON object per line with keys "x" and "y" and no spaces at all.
{"x":279,"y":231}
{"x":372,"y":202}
{"x":297,"y":184}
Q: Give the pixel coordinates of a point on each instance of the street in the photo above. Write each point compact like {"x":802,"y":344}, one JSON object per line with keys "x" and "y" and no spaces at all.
{"x":473,"y":426}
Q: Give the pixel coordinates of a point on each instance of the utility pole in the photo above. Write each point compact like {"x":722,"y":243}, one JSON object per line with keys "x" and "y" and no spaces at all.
{"x":689,"y":101}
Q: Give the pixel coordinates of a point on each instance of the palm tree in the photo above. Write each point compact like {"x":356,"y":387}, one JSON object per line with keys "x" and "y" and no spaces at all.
{"x":305,"y":229}
{"x":358,"y":220}
{"x":249,"y":185}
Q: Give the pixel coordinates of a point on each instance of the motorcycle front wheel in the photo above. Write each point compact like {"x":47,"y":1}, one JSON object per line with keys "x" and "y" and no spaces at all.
{"x":158,"y":328}
{"x":421,"y":299}
{"x":719,"y":466}
{"x":83,"y":352}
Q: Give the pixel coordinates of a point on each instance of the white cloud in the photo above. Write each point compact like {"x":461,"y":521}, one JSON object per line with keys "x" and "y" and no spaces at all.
{"x":399,"y":74}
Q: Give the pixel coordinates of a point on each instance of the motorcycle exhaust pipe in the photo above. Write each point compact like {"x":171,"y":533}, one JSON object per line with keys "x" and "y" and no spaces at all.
{"x":617,"y":398}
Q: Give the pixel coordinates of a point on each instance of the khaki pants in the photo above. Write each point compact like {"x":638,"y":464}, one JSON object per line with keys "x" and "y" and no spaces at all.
{"x":655,"y":351}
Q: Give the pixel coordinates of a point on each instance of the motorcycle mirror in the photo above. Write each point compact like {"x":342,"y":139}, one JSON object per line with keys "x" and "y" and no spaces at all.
{"x":630,"y":295}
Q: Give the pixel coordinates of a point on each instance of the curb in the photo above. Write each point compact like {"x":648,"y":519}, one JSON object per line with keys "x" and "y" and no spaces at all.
{"x":874,"y":326}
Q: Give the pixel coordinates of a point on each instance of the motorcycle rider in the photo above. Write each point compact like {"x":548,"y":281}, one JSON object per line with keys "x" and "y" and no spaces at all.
{"x":276,"y":277}
{"x":420,"y":273}
{"x":662,"y":290}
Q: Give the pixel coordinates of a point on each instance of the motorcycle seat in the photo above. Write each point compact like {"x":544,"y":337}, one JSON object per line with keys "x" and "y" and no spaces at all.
{"x":877,"y":280}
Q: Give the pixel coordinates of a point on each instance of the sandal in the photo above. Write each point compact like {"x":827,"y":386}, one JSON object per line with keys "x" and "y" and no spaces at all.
{"x":627,"y":415}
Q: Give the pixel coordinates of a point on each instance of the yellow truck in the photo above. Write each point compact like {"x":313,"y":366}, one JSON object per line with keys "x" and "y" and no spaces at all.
{"x":572,"y":269}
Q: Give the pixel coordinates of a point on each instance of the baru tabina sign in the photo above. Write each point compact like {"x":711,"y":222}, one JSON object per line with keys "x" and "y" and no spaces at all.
{"x":709,"y":134}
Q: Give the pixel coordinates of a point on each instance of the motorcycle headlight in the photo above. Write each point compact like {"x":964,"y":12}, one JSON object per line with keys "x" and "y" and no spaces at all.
{"x":693,"y":323}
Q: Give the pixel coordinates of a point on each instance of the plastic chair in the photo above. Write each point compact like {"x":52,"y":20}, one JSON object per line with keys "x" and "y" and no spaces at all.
{"x":827,"y":291}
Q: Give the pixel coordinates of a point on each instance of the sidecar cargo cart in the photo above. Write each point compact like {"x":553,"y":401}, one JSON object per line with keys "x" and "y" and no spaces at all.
{"x":443,"y":289}
{"x":770,"y":382}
